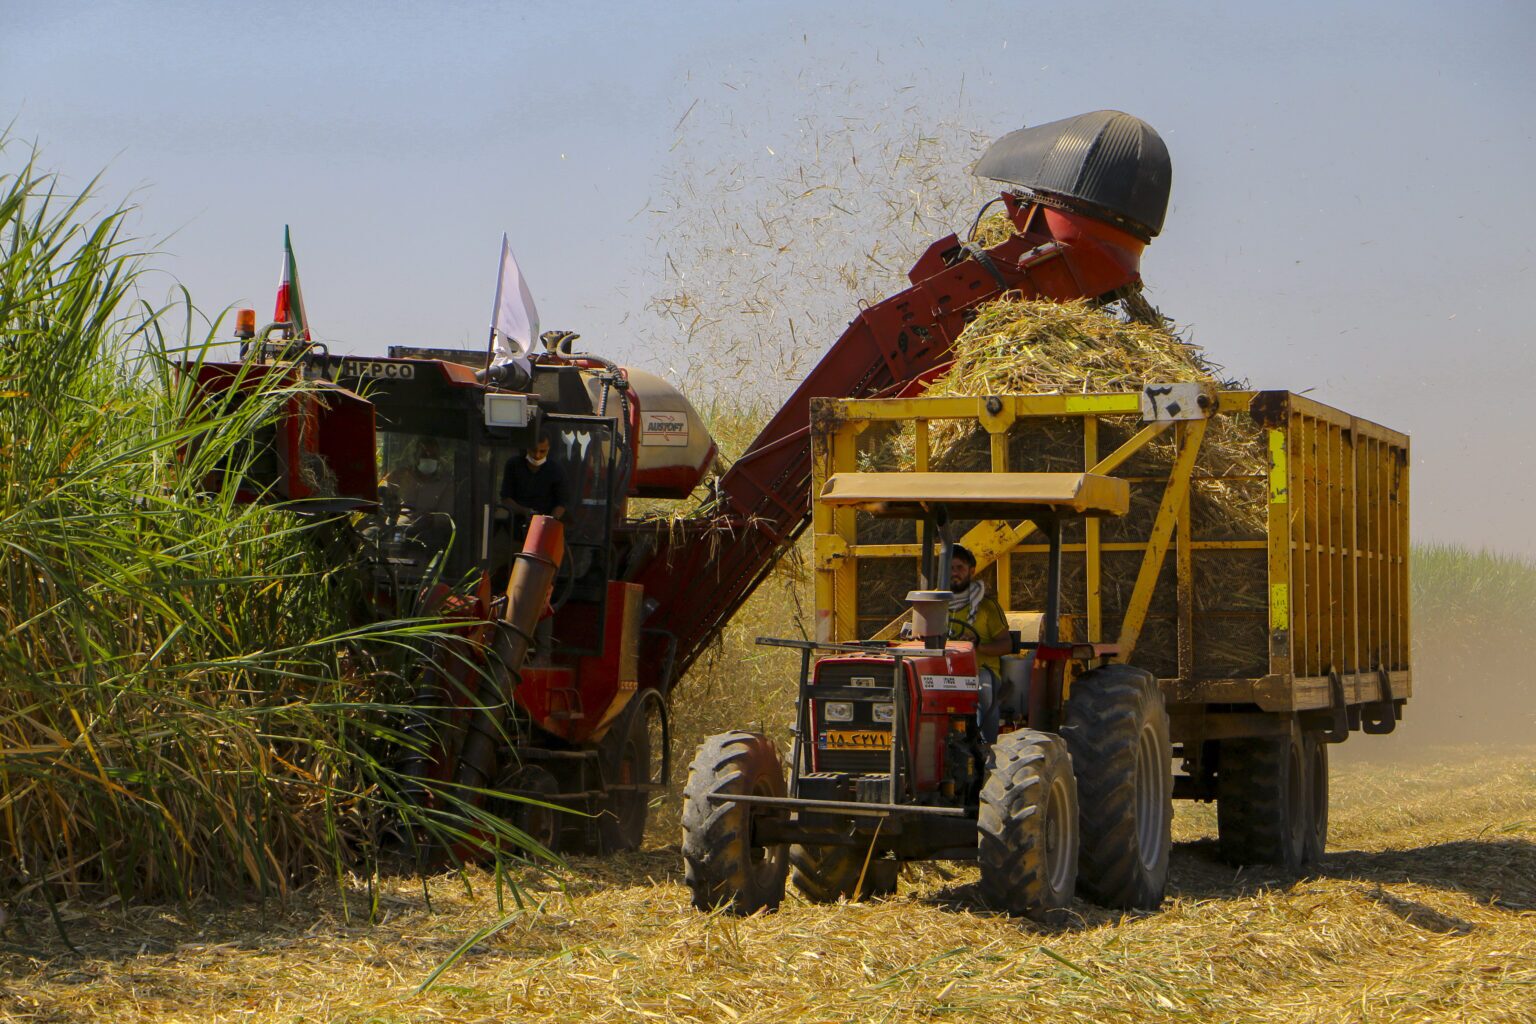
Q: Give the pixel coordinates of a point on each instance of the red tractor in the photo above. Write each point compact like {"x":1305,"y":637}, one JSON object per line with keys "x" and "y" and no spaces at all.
{"x":583,"y":723}
{"x":890,"y":761}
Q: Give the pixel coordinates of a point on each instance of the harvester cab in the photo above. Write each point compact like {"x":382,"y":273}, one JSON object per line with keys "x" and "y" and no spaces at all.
{"x":889,"y":760}
{"x":415,"y":458}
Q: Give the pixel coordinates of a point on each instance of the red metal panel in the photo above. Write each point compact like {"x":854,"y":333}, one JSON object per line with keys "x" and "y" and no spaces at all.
{"x":700,"y":577}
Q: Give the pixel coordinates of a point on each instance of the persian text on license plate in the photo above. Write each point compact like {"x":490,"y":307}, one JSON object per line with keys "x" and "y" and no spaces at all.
{"x":855,"y":739}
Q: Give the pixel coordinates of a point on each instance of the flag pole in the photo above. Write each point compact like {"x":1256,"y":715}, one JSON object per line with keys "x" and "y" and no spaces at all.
{"x":501,"y":274}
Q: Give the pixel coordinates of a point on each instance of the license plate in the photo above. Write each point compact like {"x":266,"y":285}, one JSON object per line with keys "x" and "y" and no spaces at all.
{"x":855,"y":739}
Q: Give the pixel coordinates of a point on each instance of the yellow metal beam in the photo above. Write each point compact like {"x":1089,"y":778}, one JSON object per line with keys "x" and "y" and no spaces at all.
{"x":1175,"y":494}
{"x":990,"y":540}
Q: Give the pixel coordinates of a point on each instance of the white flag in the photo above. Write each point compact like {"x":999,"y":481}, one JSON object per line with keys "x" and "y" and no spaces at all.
{"x":514,"y":320}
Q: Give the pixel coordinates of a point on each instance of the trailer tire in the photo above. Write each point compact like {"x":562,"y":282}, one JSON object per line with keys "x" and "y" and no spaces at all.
{"x":1027,"y":827}
{"x":1261,"y":800}
{"x":1116,"y":728}
{"x":1315,"y":753}
{"x":826,"y":874}
{"x":720,"y":866}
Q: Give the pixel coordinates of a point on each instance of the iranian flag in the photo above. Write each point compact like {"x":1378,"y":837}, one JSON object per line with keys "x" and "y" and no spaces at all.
{"x":290,"y":301}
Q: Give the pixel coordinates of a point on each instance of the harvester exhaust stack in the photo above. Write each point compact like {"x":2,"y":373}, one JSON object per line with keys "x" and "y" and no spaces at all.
{"x":1105,"y":164}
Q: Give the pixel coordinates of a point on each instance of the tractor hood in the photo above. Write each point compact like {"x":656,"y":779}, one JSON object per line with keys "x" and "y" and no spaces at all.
{"x":1111,"y":165}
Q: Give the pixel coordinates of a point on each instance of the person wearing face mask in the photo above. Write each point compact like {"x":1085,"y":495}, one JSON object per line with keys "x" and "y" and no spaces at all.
{"x":532,"y":485}
{"x":424,"y":486}
{"x":424,"y":483}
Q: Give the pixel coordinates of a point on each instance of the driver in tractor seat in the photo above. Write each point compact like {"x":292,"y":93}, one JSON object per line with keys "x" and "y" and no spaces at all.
{"x":975,"y":616}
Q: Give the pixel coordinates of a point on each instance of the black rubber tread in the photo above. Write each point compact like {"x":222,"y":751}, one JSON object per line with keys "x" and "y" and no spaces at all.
{"x":541,"y":824}
{"x":826,"y":874}
{"x":1314,"y":751}
{"x":1254,"y":801}
{"x":1013,"y":821}
{"x":719,"y":866}
{"x":621,"y":817}
{"x":1106,"y":712}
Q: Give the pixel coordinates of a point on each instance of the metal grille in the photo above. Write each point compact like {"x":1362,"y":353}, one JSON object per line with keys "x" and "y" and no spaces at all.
{"x":840,"y":673}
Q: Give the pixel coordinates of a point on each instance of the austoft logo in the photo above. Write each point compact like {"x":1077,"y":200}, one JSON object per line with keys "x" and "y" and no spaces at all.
{"x":669,"y":429}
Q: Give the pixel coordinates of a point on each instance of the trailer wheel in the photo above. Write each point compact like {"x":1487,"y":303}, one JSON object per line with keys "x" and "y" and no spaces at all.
{"x":1117,"y":730}
{"x":1315,"y":754}
{"x":1028,"y":826}
{"x":826,"y":874}
{"x":1261,"y":800}
{"x":720,"y":865}
{"x":627,"y":762}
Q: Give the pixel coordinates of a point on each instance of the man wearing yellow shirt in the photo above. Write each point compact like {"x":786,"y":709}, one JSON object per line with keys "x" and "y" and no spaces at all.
{"x":976,"y":617}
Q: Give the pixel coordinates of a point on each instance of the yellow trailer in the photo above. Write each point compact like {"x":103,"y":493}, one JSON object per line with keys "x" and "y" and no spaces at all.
{"x":1261,"y":574}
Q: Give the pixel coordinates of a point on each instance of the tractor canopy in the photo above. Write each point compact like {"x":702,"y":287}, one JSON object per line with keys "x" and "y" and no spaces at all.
{"x":978,"y":495}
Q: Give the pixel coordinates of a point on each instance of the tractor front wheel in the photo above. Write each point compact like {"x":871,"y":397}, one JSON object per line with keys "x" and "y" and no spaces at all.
{"x":1028,"y":826}
{"x":720,"y":865}
{"x":1117,"y":730}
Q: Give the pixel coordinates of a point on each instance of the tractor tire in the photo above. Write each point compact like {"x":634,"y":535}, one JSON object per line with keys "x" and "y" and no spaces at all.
{"x":1028,"y":827}
{"x":1116,"y":728}
{"x":1261,"y":800}
{"x":540,"y":824}
{"x":826,"y":874}
{"x":1314,"y":752}
{"x":626,"y":760}
{"x":720,"y":865}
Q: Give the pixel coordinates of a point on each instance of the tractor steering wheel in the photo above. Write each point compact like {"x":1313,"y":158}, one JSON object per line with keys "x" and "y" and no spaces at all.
{"x":965,"y":629}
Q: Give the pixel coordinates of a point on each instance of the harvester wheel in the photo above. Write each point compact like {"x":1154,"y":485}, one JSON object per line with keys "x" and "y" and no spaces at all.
{"x":1117,"y":730}
{"x":1262,"y":814}
{"x":1315,"y":751}
{"x":1028,"y":826}
{"x":626,"y":762}
{"x":826,"y":874}
{"x":720,"y":865}
{"x":540,"y":824}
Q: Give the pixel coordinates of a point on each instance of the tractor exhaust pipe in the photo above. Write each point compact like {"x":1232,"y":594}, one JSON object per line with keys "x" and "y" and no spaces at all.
{"x":930,"y":617}
{"x":533,"y":577}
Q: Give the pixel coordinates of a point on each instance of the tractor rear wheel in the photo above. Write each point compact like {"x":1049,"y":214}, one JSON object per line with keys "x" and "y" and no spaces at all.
{"x":1028,"y":826}
{"x":826,"y":874}
{"x":1262,"y":812}
{"x":720,"y":864}
{"x":1117,"y":730}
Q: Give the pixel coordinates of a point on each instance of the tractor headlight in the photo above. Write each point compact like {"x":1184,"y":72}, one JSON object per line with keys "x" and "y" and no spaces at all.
{"x":837,"y":710}
{"x":885,"y":712}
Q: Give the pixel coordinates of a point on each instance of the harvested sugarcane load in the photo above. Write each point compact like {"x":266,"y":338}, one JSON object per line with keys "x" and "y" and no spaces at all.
{"x":1017,"y":347}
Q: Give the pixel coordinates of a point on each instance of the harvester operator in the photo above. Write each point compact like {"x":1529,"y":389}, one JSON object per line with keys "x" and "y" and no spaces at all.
{"x":975,"y":616}
{"x":532,"y":485}
{"x":425,"y":492}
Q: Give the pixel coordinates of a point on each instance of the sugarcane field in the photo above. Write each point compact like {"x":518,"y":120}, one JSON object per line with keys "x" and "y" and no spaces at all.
{"x":944,"y":519}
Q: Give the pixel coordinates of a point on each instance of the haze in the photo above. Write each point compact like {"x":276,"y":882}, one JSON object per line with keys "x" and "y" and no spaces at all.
{"x":1351,"y":213}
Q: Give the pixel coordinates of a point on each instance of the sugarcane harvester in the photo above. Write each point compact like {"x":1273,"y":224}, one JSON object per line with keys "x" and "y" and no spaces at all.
{"x":632,"y":603}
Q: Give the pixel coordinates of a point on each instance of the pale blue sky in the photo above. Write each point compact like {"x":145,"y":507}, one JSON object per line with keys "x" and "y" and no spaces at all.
{"x":1351,"y":207}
